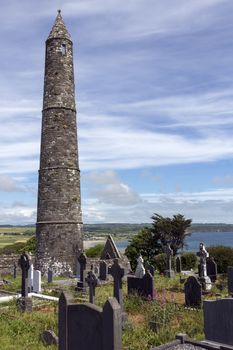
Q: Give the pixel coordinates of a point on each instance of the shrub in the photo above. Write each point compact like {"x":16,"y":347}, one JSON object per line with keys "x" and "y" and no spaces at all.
{"x":188,"y":261}
{"x":222,"y":255}
{"x":94,"y":252}
{"x":160,"y":262}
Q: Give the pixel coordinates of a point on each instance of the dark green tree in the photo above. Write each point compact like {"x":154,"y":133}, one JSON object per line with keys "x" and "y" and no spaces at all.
{"x":150,"y":241}
{"x":143,"y":243}
{"x":173,"y":230}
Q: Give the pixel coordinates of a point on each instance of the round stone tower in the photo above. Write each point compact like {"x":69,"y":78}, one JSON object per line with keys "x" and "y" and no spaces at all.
{"x":59,"y":217}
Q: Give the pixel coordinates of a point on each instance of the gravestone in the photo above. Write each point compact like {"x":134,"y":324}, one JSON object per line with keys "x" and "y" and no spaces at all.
{"x":110,"y":250}
{"x":15,"y":270}
{"x":103,"y":270}
{"x":49,"y":337}
{"x":24,"y":303}
{"x":50,"y":276}
{"x":36,"y":281}
{"x":24,"y":263}
{"x":202,"y":268}
{"x":30,"y":278}
{"x":218,"y":320}
{"x":82,"y":259}
{"x":87,"y":326}
{"x":193,"y":292}
{"x":178,"y":264}
{"x":92,"y":281}
{"x":211,"y":268}
{"x":143,"y":286}
{"x":96,"y":270}
{"x":169,"y":252}
{"x":117,"y":273}
{"x":230,"y":279}
{"x":150,"y":268}
{"x":78,"y":270}
{"x":140,"y":270}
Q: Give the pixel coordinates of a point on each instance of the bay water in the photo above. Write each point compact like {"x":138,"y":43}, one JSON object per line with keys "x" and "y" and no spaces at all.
{"x":208,"y":238}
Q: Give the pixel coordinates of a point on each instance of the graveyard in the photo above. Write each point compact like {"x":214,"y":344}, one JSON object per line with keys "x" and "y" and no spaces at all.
{"x":153,"y":309}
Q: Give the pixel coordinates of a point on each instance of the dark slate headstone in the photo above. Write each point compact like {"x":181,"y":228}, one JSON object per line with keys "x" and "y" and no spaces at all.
{"x":211,"y":267}
{"x":117,"y":273}
{"x":143,"y":286}
{"x":49,"y":337}
{"x":15,"y":271}
{"x":218,"y":320}
{"x":86,"y":326}
{"x":103,"y":270}
{"x":230,"y":279}
{"x":178,"y":264}
{"x":110,"y":250}
{"x":193,"y":292}
{"x":50,"y":276}
{"x":151,"y":269}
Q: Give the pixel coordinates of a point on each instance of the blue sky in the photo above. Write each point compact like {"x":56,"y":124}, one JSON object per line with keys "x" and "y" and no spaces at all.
{"x":154,"y":94}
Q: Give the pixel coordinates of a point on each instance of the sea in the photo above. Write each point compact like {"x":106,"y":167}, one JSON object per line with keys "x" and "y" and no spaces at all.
{"x":193,"y":241}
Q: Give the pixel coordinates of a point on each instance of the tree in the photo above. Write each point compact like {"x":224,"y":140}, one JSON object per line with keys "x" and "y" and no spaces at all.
{"x":173,"y":230}
{"x":142,"y":243}
{"x":150,"y":241}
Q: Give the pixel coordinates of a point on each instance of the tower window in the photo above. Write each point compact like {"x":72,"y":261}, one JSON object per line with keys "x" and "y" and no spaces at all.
{"x":63,"y":49}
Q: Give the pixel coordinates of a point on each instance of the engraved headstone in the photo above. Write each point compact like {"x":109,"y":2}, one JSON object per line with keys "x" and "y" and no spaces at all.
{"x":50,"y":276}
{"x":230,"y":279}
{"x":218,"y":320}
{"x":92,"y":281}
{"x":211,"y":268}
{"x":103,"y":270}
{"x":117,"y":273}
{"x":193,"y":292}
{"x":36,"y":281}
{"x":143,"y":286}
{"x":178,"y":264}
{"x":87,"y":326}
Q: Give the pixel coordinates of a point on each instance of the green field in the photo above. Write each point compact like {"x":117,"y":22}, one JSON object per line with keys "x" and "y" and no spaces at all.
{"x":11,"y":239}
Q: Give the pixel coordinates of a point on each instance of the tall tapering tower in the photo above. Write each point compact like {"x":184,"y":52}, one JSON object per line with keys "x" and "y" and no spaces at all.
{"x":59,"y":217}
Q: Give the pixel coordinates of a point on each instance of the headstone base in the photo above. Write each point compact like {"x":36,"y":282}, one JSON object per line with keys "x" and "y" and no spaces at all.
{"x":169,"y":273}
{"x":206,"y":283}
{"x":24,"y":304}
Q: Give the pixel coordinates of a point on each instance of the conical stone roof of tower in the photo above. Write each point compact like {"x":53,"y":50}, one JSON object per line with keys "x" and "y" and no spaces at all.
{"x":59,"y":29}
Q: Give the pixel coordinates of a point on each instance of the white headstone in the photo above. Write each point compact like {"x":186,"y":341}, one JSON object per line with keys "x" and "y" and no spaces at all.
{"x":30,"y":278}
{"x":37,"y":281}
{"x":140,"y":270}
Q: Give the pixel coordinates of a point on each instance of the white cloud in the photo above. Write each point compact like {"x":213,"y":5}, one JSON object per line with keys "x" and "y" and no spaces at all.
{"x":17,"y":214}
{"x":8,"y":184}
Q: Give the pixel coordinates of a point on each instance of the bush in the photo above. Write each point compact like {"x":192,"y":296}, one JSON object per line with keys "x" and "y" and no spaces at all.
{"x":94,"y":252}
{"x":188,"y":261}
{"x":222,"y":255}
{"x":160,"y":262}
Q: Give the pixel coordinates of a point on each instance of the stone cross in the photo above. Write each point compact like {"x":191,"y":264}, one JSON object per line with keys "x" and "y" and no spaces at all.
{"x":117,"y":273}
{"x":140,"y":270}
{"x":169,"y":253}
{"x":91,"y":280}
{"x":82,"y":259}
{"x":203,"y":255}
{"x":24,"y":263}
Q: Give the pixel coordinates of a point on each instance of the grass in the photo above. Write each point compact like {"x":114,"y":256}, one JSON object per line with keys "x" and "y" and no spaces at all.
{"x":17,"y":230}
{"x":11,"y":239}
{"x":167,"y":312}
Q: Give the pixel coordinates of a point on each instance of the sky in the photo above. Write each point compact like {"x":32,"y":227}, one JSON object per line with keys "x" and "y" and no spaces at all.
{"x":154,"y":97}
